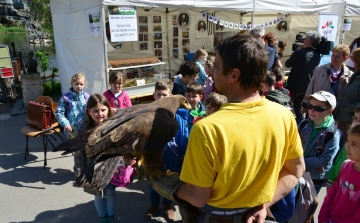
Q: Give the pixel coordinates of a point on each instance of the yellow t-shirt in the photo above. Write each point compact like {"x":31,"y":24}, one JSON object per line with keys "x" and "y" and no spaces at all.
{"x":239,"y":151}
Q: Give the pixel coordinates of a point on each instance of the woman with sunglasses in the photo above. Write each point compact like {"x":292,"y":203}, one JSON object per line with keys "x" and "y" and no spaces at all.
{"x":319,"y":137}
{"x":349,"y":98}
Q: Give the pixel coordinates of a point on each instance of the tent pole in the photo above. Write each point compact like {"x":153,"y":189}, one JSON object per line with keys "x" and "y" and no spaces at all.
{"x":252,"y":19}
{"x":105,"y":47}
{"x":252,"y":15}
{"x":167,"y":41}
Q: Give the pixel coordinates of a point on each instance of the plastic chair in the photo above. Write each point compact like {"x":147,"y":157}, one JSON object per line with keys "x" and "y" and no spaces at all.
{"x":30,"y":131}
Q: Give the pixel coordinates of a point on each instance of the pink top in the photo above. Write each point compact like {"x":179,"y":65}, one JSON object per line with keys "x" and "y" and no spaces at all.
{"x":342,"y":203}
{"x":123,"y":99}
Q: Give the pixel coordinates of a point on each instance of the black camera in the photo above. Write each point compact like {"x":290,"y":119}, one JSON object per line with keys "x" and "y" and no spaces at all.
{"x":299,"y":38}
{"x":324,"y":47}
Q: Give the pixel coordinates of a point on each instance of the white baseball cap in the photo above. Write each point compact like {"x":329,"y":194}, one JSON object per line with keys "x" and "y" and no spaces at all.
{"x":323,"y":96}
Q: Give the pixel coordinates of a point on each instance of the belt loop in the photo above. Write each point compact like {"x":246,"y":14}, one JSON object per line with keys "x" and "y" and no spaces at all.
{"x":207,"y":218}
{"x":237,"y":219}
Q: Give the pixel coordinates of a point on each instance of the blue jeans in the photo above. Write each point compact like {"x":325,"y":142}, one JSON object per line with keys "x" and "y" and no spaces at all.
{"x":155,"y":198}
{"x":106,"y":205}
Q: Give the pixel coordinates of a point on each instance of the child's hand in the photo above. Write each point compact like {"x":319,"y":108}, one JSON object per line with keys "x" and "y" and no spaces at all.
{"x":68,"y":128}
{"x":114,"y":110}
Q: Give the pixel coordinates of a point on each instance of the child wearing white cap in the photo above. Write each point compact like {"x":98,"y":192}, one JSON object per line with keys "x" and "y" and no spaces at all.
{"x":319,"y":136}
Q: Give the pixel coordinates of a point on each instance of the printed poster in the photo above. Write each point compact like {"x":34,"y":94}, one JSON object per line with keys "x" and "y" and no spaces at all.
{"x":282,"y":26}
{"x":123,"y":23}
{"x":327,"y":27}
{"x":201,"y":27}
{"x":94,"y":22}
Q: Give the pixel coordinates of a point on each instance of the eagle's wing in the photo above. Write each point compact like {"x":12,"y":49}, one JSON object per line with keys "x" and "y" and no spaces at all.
{"x":145,"y":129}
{"x":145,"y":135}
{"x":102,"y":174}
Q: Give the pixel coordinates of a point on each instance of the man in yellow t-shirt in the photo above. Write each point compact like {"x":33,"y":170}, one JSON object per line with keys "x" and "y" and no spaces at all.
{"x":247,"y":155}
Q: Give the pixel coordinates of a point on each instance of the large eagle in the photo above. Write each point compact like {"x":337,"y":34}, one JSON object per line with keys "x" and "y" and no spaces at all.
{"x":139,"y":131}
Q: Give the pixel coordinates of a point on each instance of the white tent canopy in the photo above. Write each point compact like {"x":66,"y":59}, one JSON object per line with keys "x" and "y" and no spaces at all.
{"x":288,"y":6}
{"x":78,"y":51}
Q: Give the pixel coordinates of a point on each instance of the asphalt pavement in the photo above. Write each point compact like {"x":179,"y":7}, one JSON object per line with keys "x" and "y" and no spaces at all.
{"x":31,"y":194}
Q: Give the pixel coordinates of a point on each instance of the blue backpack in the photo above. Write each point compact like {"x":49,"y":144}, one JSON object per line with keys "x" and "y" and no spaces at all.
{"x":68,"y":103}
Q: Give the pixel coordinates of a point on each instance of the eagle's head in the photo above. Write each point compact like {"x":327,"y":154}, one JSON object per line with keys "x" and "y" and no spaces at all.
{"x":183,"y":103}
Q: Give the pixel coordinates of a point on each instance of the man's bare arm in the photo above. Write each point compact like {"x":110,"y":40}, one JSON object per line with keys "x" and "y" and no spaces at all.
{"x":195,"y":195}
{"x":289,"y":175}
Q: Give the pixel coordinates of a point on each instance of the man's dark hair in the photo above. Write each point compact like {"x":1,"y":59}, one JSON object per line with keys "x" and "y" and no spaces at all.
{"x":189,"y":68}
{"x":246,"y":54}
{"x":279,"y":73}
{"x":194,"y":87}
{"x":270,"y":79}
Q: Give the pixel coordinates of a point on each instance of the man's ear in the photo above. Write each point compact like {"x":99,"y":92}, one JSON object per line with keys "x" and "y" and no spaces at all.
{"x":235,"y":75}
{"x":201,"y":96}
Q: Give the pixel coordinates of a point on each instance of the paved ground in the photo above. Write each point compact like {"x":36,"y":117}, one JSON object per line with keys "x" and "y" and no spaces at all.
{"x":30,"y":193}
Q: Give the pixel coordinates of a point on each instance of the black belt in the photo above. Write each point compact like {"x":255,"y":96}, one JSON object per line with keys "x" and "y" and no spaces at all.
{"x":222,"y":219}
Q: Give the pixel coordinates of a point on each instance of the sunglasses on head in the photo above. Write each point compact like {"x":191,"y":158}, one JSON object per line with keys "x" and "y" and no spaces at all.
{"x":317,"y":108}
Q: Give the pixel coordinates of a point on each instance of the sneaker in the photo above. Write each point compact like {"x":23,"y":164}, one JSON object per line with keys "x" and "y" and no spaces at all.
{"x":151,"y":212}
{"x":169,"y":213}
{"x":110,"y":219}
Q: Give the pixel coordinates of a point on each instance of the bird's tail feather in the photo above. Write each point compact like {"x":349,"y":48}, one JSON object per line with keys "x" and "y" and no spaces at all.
{"x":70,"y":146}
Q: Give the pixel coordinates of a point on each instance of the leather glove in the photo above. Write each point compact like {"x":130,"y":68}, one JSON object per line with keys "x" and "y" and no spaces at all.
{"x":166,"y":186}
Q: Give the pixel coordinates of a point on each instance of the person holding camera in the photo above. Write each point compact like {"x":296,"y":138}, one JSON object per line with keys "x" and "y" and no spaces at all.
{"x":303,"y":62}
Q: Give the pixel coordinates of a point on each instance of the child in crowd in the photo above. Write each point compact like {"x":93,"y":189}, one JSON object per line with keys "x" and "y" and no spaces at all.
{"x":189,"y":71}
{"x":273,"y":94}
{"x":279,"y":84}
{"x":209,"y":83}
{"x":320,"y":140}
{"x":212,"y":103}
{"x":335,"y":169}
{"x":97,"y":110}
{"x":70,"y":111}
{"x":173,"y":152}
{"x":117,"y":97}
{"x":200,"y":58}
{"x":194,"y":94}
{"x":342,"y":203}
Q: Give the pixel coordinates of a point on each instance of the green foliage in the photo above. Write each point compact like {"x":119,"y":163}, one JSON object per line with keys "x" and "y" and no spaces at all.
{"x":51,"y":88}
{"x":12,"y":29}
{"x":44,"y":61}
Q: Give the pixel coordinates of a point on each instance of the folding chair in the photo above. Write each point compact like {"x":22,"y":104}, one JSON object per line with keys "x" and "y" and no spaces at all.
{"x":30,"y":131}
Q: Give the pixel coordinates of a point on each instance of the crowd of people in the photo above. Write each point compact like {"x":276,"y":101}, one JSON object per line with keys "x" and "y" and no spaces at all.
{"x":250,"y":153}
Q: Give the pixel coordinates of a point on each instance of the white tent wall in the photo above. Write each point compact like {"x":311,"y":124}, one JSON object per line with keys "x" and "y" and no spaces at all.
{"x":354,"y":32}
{"x":78,"y":51}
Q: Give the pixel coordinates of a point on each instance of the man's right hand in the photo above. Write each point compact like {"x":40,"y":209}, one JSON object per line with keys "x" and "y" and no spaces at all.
{"x":257,"y":214}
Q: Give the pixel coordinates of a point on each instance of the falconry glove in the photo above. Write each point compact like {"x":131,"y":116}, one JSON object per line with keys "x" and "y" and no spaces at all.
{"x":167,"y":186}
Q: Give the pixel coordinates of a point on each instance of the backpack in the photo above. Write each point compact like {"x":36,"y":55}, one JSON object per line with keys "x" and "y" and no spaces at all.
{"x":68,"y":102}
{"x":306,"y":200}
{"x":328,"y":137}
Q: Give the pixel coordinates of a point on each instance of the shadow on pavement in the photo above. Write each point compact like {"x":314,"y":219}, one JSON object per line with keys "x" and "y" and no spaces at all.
{"x":128,"y":210}
{"x":20,"y":175}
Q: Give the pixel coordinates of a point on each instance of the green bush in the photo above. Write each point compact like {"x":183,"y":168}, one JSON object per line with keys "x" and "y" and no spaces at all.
{"x":51,"y":88}
{"x":12,"y":29}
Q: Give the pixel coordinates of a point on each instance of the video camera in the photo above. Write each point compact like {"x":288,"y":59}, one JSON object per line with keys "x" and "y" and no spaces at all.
{"x":324,"y":47}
